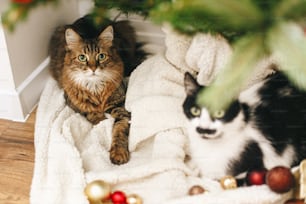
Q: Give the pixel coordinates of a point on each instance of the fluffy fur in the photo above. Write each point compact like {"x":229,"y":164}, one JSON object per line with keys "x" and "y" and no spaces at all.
{"x":89,"y":64}
{"x":264,"y":128}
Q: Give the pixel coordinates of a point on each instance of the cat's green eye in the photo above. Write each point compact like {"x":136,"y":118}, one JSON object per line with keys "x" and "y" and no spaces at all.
{"x":219,"y":114}
{"x":82,"y":58}
{"x":101,"y":57}
{"x":195,"y":111}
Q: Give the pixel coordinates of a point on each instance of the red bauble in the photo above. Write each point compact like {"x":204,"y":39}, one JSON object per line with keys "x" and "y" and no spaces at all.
{"x":22,"y":1}
{"x":280,"y":179}
{"x":256,"y":177}
{"x":118,"y":197}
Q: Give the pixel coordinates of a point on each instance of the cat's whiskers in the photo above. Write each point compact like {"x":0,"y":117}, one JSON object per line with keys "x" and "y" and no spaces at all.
{"x":86,"y":79}
{"x":95,"y":81}
{"x":114,"y":77}
{"x":205,"y":127}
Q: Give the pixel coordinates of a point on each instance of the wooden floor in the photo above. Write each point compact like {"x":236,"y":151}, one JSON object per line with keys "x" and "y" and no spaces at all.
{"x":16,"y":160}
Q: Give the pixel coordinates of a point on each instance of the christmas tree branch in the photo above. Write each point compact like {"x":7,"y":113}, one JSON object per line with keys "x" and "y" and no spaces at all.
{"x":19,"y":10}
{"x":247,"y":52}
{"x":290,"y":10}
{"x":228,"y":17}
{"x":287,"y":42}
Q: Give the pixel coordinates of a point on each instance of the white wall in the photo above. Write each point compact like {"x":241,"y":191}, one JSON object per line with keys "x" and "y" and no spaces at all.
{"x":23,"y":54}
{"x":146,"y":32}
{"x":6,"y":75}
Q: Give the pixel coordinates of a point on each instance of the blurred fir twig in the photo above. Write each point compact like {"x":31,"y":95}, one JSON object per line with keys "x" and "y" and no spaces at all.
{"x":18,"y":11}
{"x":256,"y":28}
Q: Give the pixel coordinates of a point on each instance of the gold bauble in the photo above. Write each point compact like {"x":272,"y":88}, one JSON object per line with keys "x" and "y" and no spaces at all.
{"x":228,"y":182}
{"x":97,"y":191}
{"x":133,"y":199}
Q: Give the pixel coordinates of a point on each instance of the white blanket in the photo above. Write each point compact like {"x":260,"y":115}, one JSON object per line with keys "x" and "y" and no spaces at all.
{"x":71,"y":152}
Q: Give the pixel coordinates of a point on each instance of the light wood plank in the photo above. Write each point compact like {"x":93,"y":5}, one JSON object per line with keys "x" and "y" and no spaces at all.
{"x":16,"y":160}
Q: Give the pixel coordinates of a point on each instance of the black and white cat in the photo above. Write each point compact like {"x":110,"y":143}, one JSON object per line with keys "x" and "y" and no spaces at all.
{"x":264,"y":128}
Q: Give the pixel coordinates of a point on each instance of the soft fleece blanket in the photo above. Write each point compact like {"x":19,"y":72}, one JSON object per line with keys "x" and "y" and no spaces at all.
{"x":71,"y":152}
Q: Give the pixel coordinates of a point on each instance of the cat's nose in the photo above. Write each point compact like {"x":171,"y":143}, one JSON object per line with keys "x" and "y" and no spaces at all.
{"x":206,"y":130}
{"x":93,"y":68}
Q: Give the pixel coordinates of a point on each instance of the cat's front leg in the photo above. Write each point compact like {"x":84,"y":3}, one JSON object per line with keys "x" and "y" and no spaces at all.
{"x":119,"y":152}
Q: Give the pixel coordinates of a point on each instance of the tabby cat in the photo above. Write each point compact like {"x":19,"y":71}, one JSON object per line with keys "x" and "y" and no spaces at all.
{"x":89,"y":63}
{"x":263,"y":128}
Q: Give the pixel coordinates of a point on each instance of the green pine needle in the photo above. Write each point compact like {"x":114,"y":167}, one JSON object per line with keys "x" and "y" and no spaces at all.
{"x":290,"y":10}
{"x":141,"y":7}
{"x":227,"y":17}
{"x":288,"y":44}
{"x":247,"y":52}
{"x":18,"y":12}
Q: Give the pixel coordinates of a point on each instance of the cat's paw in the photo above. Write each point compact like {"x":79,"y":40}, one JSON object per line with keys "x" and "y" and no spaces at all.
{"x":94,"y":117}
{"x":119,"y":155}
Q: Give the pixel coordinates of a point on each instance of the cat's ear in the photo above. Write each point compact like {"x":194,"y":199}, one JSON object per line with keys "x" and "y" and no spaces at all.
{"x":107,"y":36}
{"x":191,"y":85}
{"x":72,"y":38}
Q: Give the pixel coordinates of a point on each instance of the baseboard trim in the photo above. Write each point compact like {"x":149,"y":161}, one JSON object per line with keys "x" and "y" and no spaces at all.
{"x":17,"y":105}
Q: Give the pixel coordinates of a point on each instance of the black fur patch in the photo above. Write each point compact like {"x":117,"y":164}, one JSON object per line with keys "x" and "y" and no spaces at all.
{"x":251,"y":158}
{"x":281,"y":116}
{"x":231,"y":112}
{"x":188,"y":103}
{"x":246,"y":112}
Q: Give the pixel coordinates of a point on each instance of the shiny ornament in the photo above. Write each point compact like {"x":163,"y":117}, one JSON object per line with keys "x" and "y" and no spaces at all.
{"x":195,"y":190}
{"x":118,"y":197}
{"x":133,"y":199}
{"x":280,"y":179}
{"x":228,"y":182}
{"x":97,"y":191}
{"x":256,"y":177}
